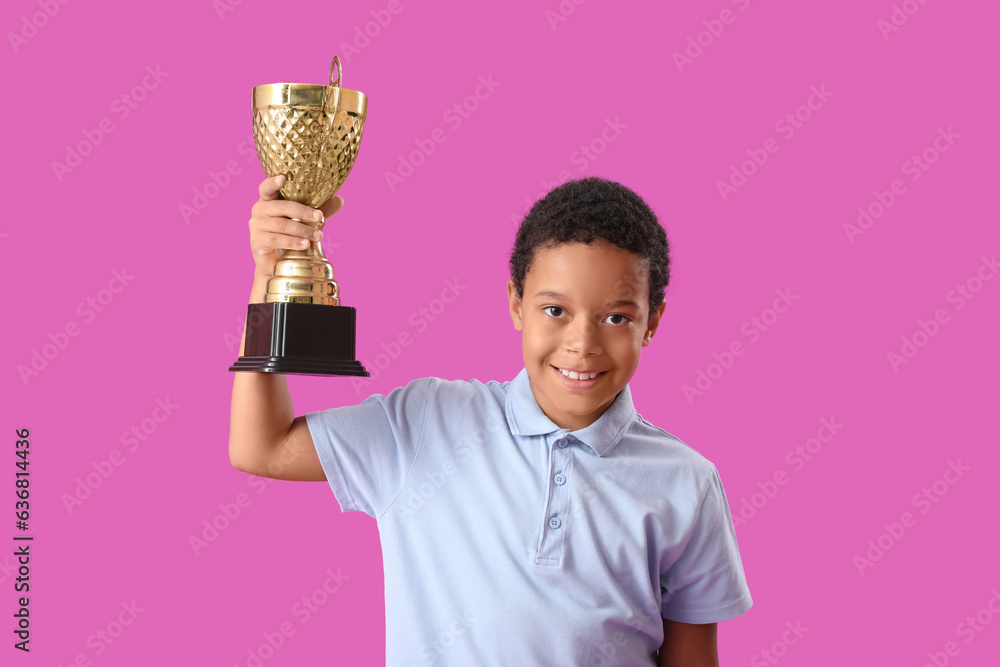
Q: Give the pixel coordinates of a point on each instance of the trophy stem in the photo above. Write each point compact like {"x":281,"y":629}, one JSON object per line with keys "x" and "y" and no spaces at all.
{"x":313,"y":251}
{"x":303,"y":276}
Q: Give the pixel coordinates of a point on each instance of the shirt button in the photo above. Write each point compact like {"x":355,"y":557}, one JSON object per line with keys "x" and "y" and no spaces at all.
{"x":559,"y":479}
{"x":561,"y":444}
{"x":554,"y":522}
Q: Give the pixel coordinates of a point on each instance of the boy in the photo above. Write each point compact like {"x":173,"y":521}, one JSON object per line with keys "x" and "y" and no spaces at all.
{"x":537,"y":521}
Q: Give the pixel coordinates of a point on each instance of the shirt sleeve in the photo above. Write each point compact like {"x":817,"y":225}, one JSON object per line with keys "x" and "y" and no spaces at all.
{"x":706,"y":582}
{"x":366,"y":450}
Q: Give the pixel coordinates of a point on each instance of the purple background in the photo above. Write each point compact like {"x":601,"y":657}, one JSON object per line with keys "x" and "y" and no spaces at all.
{"x":147,"y":196}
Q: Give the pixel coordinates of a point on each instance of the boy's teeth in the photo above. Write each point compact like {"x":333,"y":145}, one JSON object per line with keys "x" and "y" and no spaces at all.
{"x":573,"y":375}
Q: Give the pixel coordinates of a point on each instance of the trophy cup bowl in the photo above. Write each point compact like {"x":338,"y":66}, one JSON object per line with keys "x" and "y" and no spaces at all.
{"x":311,"y":134}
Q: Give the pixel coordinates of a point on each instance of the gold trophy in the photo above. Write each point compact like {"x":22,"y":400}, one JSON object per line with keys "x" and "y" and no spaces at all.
{"x":310,"y":133}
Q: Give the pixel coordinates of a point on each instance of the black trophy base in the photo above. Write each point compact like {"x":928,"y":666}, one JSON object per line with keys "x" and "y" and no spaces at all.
{"x":300,"y":339}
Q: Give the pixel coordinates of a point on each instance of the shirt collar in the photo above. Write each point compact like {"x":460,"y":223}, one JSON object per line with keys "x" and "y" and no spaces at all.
{"x":525,"y":417}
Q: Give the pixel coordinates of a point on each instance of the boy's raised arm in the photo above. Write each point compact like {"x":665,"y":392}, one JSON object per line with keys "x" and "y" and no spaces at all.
{"x":265,"y":437}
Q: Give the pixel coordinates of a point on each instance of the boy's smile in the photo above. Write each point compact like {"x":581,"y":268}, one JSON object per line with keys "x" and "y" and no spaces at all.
{"x":584,"y":311}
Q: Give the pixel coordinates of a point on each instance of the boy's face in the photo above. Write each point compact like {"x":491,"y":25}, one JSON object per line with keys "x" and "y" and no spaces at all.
{"x":573,"y":317}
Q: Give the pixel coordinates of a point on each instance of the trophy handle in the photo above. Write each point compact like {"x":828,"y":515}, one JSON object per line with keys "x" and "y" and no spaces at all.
{"x":331,"y":93}
{"x":335,"y":65}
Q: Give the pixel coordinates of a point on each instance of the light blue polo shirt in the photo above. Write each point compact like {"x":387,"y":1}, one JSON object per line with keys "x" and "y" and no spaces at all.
{"x":509,"y":541}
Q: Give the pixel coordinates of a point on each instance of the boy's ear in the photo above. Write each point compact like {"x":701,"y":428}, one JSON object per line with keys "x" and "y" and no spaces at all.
{"x":515,"y":304}
{"x":654,"y":322}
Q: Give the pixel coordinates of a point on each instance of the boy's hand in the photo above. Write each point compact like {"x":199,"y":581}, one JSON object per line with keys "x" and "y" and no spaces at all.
{"x":272,"y":229}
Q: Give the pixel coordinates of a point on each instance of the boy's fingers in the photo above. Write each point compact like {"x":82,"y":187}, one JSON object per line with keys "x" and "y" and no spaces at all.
{"x":283,"y":208}
{"x":290,"y":228}
{"x":290,"y":242}
{"x":269,"y":187}
{"x":272,"y":241}
{"x":332,"y":205}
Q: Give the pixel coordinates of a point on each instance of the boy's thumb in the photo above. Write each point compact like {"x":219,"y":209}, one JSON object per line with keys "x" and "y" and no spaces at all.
{"x":332,"y":205}
{"x":270,"y":186}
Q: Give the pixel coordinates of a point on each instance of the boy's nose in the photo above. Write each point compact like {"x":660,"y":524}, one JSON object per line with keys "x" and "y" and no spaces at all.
{"x":583,"y":338}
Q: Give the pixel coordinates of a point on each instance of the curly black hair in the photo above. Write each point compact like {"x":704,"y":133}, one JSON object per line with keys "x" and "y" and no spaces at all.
{"x":590,"y":210}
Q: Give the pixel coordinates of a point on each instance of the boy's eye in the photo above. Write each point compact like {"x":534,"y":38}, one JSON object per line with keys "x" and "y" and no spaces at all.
{"x":547,"y":309}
